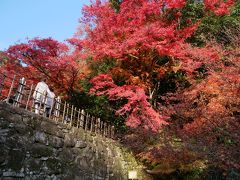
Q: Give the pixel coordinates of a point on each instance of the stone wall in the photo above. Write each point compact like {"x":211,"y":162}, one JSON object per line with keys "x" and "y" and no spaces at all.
{"x":33,"y":147}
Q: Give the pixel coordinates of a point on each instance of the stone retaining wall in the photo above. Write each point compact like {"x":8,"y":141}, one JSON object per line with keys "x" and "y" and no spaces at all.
{"x":33,"y":147}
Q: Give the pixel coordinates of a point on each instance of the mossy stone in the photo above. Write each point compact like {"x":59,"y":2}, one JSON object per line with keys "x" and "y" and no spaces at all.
{"x":55,"y":166}
{"x":40,"y":150}
{"x":15,"y":159}
{"x":34,"y":165}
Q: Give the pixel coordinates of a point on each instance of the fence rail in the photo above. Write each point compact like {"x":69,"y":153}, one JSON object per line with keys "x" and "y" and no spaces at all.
{"x":15,"y":91}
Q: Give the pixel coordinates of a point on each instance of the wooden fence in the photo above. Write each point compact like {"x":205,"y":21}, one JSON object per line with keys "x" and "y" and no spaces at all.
{"x":15,"y":91}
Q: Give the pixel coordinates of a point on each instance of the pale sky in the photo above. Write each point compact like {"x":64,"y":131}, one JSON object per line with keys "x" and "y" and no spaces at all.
{"x":21,"y":19}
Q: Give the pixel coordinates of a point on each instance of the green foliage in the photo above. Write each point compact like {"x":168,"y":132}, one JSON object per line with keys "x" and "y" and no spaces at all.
{"x":98,"y":106}
{"x":162,"y":60}
{"x":3,"y":58}
{"x":236,"y":10}
{"x":101,"y":107}
{"x":172,"y":81}
{"x":211,"y":26}
{"x":214,"y":26}
{"x":100,"y":66}
{"x":201,"y":73}
{"x":193,"y":11}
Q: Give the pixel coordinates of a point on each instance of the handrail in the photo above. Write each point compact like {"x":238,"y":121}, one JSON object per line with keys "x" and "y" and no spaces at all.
{"x":15,"y":91}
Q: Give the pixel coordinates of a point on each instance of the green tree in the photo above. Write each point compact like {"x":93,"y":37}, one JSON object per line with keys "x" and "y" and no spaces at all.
{"x":211,"y":26}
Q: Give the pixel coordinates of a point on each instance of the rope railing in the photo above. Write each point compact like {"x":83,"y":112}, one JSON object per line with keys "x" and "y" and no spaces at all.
{"x":14,"y":90}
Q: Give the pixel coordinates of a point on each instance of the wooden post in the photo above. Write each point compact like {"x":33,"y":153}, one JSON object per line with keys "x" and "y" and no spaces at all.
{"x":19,"y":93}
{"x":112,"y":131}
{"x":102,"y":127}
{"x":67,"y":113}
{"x":29,"y":96}
{"x":96,"y":125}
{"x":78,"y":118}
{"x":57,"y":108}
{"x":99,"y":125}
{"x":92,"y":124}
{"x":109,"y":130}
{"x":86,"y":122}
{"x":74,"y":117}
{"x":22,"y":90}
{"x":82,"y":118}
{"x":91,"y":120}
{"x":105,"y":129}
{"x":71,"y":117}
{"x":64,"y":111}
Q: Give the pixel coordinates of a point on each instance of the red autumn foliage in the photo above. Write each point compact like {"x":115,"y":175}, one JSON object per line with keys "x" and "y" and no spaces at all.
{"x":208,"y":111}
{"x":215,"y":100}
{"x":137,"y":109}
{"x":148,"y":42}
{"x":45,"y":58}
{"x":138,"y":41}
{"x":219,"y":7}
{"x":139,"y":34}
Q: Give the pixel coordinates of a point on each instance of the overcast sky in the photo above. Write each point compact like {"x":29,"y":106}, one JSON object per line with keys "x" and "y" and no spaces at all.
{"x":21,"y":19}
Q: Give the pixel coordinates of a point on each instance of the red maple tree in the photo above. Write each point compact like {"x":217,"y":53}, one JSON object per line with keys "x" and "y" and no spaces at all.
{"x":139,"y":36}
{"x":46,"y":58}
